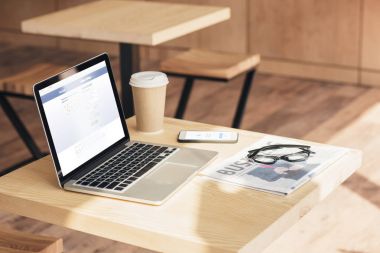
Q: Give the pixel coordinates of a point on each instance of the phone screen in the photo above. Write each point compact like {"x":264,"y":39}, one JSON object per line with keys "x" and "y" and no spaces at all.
{"x":209,"y":136}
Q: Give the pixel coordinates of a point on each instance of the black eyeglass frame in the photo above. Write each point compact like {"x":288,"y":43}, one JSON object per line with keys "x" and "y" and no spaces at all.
{"x":305,"y":150}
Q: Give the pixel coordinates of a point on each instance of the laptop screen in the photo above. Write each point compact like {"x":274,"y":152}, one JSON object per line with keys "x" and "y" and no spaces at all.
{"x":82,"y":115}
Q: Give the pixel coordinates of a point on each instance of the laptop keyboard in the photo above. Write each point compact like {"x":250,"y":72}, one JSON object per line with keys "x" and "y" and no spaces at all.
{"x":125,"y":167}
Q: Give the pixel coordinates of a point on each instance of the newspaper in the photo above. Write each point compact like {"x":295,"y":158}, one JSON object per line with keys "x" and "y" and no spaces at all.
{"x":281,"y":177}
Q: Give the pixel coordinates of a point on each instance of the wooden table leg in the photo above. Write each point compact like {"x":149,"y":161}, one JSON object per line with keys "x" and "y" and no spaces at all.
{"x":129,"y":64}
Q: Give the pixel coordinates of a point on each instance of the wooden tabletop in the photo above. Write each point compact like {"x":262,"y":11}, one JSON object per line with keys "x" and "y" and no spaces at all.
{"x":135,"y":22}
{"x":204,"y":216}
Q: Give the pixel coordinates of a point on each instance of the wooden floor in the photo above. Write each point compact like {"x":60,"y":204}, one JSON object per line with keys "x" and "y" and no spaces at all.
{"x":284,"y":106}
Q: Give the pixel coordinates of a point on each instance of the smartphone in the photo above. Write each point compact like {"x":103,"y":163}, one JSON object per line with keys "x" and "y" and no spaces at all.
{"x":208,"y":136}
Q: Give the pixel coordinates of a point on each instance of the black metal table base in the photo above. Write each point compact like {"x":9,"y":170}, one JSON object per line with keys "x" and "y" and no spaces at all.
{"x":129,"y":64}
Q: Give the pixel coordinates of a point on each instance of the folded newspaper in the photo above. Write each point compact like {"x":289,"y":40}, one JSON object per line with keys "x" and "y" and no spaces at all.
{"x":282,"y":177}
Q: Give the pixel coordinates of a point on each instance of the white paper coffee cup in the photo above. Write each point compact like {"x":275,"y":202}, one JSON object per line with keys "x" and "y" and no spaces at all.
{"x":149,"y":94}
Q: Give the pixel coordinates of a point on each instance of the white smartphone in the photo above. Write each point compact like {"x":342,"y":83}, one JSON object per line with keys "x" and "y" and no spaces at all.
{"x":208,"y":136}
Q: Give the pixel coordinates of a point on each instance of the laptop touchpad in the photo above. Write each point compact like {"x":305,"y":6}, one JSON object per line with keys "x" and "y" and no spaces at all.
{"x":171,"y":173}
{"x":162,"y":182}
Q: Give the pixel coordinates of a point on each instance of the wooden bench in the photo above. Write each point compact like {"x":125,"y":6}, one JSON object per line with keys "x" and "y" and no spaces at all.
{"x":207,"y":65}
{"x":20,"y":68}
{"x":19,"y":242}
{"x":23,"y":66}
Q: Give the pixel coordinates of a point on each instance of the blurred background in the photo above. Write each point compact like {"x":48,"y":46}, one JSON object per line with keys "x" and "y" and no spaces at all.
{"x":318,"y":80}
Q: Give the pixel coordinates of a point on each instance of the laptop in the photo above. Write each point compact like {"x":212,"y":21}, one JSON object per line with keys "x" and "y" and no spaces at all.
{"x":90,"y":145}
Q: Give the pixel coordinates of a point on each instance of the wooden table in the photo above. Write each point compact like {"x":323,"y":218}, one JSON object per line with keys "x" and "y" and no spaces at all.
{"x":129,"y":23}
{"x":204,"y":216}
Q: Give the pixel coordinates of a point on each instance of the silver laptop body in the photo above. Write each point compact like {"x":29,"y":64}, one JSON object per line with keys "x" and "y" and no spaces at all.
{"x":90,"y":144}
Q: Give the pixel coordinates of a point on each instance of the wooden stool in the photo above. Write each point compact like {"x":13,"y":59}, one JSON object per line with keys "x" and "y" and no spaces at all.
{"x":20,"y":68}
{"x":216,"y":66}
{"x":19,"y":242}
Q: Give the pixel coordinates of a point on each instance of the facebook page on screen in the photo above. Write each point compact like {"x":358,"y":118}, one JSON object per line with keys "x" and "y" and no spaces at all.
{"x":82,"y":115}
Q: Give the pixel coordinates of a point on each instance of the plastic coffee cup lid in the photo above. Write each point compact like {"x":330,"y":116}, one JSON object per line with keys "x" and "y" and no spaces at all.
{"x":149,"y":79}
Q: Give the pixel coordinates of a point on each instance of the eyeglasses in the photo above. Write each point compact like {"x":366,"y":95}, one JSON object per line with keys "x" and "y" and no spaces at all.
{"x":286,"y":151}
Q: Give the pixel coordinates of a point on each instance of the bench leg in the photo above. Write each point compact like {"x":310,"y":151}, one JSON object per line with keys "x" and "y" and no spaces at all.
{"x":184,"y":98}
{"x":243,"y":99}
{"x":21,"y":130}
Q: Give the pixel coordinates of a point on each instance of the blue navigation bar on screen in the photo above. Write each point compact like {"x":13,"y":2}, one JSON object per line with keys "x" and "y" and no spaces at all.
{"x":74,"y":84}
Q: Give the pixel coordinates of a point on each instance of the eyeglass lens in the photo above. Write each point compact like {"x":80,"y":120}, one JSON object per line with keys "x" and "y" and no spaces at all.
{"x":265,"y":159}
{"x":297,"y":157}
